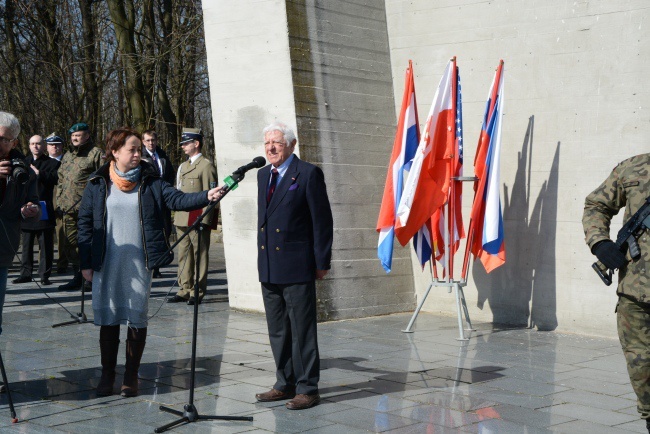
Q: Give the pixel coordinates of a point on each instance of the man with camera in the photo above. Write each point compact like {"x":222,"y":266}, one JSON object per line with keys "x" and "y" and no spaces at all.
{"x":18,"y":197}
{"x":42,"y":230}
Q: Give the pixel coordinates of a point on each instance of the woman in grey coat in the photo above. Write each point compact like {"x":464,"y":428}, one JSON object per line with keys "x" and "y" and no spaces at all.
{"x":121,"y":239}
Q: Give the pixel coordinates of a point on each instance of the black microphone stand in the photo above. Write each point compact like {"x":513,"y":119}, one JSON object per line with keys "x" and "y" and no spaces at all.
{"x":81,"y":316}
{"x":190,"y":413}
{"x":14,"y":419}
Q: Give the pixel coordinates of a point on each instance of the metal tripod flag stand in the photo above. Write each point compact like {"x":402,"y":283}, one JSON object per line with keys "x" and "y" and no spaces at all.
{"x":448,"y":282}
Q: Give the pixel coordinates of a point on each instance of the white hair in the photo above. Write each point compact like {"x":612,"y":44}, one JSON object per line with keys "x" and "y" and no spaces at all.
{"x":10,"y":122}
{"x":286,"y":131}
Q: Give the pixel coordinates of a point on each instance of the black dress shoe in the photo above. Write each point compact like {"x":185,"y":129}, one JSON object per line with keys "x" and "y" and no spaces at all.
{"x":157,"y":274}
{"x":45,"y":281}
{"x":191,"y":301}
{"x":176,"y":299}
{"x":22,"y":279}
{"x":74,"y":284}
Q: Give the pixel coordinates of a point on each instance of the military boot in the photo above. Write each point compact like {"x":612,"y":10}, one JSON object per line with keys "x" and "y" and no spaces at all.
{"x":74,"y":284}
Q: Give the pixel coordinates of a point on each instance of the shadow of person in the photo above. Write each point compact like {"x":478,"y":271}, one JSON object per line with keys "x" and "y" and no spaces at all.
{"x":522,"y":292}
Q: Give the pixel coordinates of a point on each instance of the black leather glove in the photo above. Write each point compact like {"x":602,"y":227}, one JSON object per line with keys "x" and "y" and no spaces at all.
{"x":609,"y":254}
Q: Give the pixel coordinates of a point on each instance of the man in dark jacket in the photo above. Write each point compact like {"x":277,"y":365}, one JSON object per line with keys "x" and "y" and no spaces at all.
{"x":158,"y":158}
{"x":55,"y":146}
{"x":18,"y":197}
{"x":294,"y":240}
{"x":45,"y":169}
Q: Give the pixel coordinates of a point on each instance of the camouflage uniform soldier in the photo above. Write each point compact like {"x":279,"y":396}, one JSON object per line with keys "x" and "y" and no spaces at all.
{"x":627,"y":186}
{"x":82,"y":159}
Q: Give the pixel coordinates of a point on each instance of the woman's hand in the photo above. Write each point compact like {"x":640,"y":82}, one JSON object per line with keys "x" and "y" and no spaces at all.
{"x":215,"y":194}
{"x":87,"y":274}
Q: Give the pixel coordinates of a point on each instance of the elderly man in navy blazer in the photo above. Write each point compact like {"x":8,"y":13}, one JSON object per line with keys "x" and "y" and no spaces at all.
{"x":294,"y":243}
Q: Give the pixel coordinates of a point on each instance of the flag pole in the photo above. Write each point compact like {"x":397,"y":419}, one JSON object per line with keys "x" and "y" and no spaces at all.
{"x":451,"y":215}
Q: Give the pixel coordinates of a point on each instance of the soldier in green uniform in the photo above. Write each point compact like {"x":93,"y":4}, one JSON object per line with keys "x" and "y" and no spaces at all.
{"x":627,"y":187}
{"x":81,"y":159}
{"x":194,"y":175}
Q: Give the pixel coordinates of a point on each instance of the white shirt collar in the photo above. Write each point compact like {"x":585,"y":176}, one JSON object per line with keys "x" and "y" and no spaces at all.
{"x":194,"y":158}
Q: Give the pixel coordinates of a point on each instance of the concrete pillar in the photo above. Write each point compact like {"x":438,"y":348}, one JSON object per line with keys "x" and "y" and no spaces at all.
{"x":323,"y":66}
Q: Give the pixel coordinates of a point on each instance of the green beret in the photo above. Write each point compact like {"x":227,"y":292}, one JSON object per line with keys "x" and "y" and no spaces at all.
{"x":81,"y":126}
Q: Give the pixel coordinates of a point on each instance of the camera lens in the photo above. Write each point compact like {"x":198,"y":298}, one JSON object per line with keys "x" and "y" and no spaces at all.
{"x":19,"y":171}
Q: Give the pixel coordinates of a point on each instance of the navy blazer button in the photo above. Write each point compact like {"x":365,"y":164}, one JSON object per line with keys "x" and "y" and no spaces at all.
{"x":277,"y":248}
{"x":262,"y":247}
{"x":262,"y":229}
{"x":277,"y":230}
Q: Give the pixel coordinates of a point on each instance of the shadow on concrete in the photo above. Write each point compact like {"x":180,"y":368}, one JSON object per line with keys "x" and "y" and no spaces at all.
{"x":522,"y":292}
{"x":79,"y":384}
{"x":388,"y":381}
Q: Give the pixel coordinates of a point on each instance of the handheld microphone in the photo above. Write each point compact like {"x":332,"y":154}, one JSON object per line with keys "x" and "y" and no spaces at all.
{"x":255,"y":164}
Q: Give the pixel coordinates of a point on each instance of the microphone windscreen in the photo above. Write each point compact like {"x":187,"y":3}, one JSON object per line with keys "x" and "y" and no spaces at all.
{"x":259,"y":161}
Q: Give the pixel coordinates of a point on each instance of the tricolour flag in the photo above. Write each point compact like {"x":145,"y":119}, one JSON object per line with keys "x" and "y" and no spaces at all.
{"x":453,"y":221}
{"x":404,"y":146}
{"x":487,"y":242}
{"x":428,"y":182}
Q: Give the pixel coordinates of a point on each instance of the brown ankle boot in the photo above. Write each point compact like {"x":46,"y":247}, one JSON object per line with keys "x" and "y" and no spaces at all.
{"x":134,"y":348}
{"x":109,"y":345}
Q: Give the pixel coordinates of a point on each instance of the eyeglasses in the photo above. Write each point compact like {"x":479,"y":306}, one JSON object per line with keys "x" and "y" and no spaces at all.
{"x":5,"y":140}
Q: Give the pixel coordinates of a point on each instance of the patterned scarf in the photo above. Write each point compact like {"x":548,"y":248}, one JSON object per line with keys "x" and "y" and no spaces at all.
{"x":124,"y":181}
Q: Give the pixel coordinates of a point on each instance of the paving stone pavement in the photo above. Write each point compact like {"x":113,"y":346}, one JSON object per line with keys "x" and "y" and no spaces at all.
{"x":374,"y":377}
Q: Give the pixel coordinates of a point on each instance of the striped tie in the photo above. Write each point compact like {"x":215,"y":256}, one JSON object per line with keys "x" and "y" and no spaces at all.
{"x":274,"y":182}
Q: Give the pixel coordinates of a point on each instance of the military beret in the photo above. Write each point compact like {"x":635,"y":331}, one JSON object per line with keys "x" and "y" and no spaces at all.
{"x":53,"y":139}
{"x":190,"y":134}
{"x":81,"y":126}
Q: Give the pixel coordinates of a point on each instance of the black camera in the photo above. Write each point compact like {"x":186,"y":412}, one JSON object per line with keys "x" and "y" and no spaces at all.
{"x":19,"y":171}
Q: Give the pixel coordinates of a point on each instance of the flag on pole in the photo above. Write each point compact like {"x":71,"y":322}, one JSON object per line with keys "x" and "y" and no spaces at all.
{"x":422,"y":243}
{"x":426,"y":186}
{"x":487,"y":240}
{"x":455,"y":221}
{"x":404,"y":146}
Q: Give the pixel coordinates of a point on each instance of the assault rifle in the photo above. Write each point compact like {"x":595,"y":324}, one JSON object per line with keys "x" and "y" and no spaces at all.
{"x":627,"y":235}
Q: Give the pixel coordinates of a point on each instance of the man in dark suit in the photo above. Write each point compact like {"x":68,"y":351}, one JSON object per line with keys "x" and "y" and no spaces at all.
{"x":45,"y":169}
{"x":294,"y":240}
{"x":156,"y":156}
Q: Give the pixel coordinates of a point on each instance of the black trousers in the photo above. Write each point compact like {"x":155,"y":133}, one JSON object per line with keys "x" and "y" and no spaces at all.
{"x":46,"y":248}
{"x":291,"y":319}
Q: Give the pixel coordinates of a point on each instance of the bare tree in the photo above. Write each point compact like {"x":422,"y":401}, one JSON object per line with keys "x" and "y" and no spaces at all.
{"x":109,"y":63}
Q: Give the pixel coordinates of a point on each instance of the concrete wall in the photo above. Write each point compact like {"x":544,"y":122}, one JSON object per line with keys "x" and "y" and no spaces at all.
{"x":576,"y":103}
{"x":323,"y":66}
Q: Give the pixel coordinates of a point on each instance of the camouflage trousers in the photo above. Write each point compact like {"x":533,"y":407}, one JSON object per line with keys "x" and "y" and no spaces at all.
{"x":69,"y":241}
{"x":62,"y":261}
{"x":633,"y":321}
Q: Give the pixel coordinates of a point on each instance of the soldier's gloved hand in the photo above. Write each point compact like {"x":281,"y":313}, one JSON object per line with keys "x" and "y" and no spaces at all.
{"x":609,"y":254}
